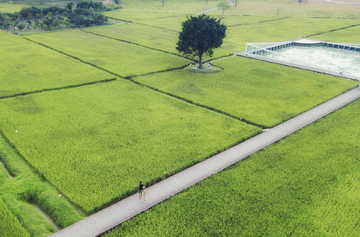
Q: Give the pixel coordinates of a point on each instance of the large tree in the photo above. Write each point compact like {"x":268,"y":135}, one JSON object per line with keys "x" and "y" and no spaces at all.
{"x":200,"y":35}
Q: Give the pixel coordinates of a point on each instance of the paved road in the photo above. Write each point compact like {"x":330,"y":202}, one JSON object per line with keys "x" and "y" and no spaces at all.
{"x":109,"y":217}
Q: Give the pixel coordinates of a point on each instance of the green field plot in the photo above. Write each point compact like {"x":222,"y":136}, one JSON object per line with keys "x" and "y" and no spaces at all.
{"x":173,"y":21}
{"x":341,"y":36}
{"x":27,"y":67}
{"x":309,"y":8}
{"x":160,"y":39}
{"x":305,"y":185}
{"x":95,"y":143}
{"x":260,"y":92}
{"x":171,"y":7}
{"x":9,"y":225}
{"x":274,"y":8}
{"x":249,"y":30}
{"x":25,"y":193}
{"x":275,"y":31}
{"x":142,"y":17}
{"x":121,"y":58}
{"x":162,"y":20}
{"x":7,"y":7}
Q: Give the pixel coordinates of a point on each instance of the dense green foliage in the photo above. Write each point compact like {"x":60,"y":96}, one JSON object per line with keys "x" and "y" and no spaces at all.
{"x":87,"y":13}
{"x":26,"y":67}
{"x":111,"y":136}
{"x":200,"y":35}
{"x":125,"y":59}
{"x":9,"y":225}
{"x":304,"y":185}
{"x":259,"y":92}
{"x":25,"y":188}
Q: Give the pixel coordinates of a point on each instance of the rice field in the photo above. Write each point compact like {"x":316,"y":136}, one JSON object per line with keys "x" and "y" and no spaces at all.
{"x":113,"y":135}
{"x":27,"y":67}
{"x":124,"y":59}
{"x":21,"y":188}
{"x":341,"y":36}
{"x":9,"y":225}
{"x":258,"y":92}
{"x":305,"y":185}
{"x":93,"y":143}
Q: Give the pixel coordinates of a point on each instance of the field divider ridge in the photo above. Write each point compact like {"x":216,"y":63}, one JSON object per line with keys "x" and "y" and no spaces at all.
{"x":159,"y":27}
{"x":71,"y":56}
{"x":150,"y":87}
{"x":116,"y":214}
{"x":58,"y":88}
{"x":342,"y":28}
{"x":200,"y":105}
{"x":129,"y":42}
{"x":259,"y":22}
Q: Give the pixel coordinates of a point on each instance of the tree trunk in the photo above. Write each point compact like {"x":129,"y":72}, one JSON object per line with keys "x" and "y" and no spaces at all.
{"x":200,"y":60}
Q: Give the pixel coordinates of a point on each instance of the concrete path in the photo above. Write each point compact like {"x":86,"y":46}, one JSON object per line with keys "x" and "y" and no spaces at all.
{"x":107,"y":218}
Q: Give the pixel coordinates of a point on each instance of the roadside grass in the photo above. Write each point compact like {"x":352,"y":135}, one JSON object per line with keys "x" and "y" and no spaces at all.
{"x":27,"y":67}
{"x":9,"y":225}
{"x":26,"y":188}
{"x":349,"y":35}
{"x":259,"y":92}
{"x":94,"y":143}
{"x":124,"y":59}
{"x":304,"y":185}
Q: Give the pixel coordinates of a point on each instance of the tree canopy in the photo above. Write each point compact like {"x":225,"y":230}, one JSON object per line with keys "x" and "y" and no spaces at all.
{"x":200,"y":35}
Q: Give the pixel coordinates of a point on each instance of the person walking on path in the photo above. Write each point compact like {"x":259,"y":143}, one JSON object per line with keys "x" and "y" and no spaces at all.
{"x":143,"y":193}
{"x":140,"y":189}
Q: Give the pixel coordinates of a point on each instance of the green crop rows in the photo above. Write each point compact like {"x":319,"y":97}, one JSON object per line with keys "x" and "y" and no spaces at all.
{"x":9,"y":225}
{"x":341,"y":36}
{"x":118,"y":57}
{"x":62,"y":132}
{"x":305,"y":185}
{"x":22,"y":187}
{"x":259,"y":92}
{"x":111,"y":136}
{"x":27,"y":67}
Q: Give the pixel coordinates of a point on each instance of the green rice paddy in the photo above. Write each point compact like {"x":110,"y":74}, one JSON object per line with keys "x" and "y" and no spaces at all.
{"x":27,"y":67}
{"x":93,"y":143}
{"x":305,"y":185}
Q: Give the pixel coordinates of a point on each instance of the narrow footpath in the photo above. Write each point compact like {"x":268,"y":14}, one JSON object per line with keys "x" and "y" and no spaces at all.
{"x":112,"y":216}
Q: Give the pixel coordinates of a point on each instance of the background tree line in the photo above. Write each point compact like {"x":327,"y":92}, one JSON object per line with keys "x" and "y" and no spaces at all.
{"x":82,"y":14}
